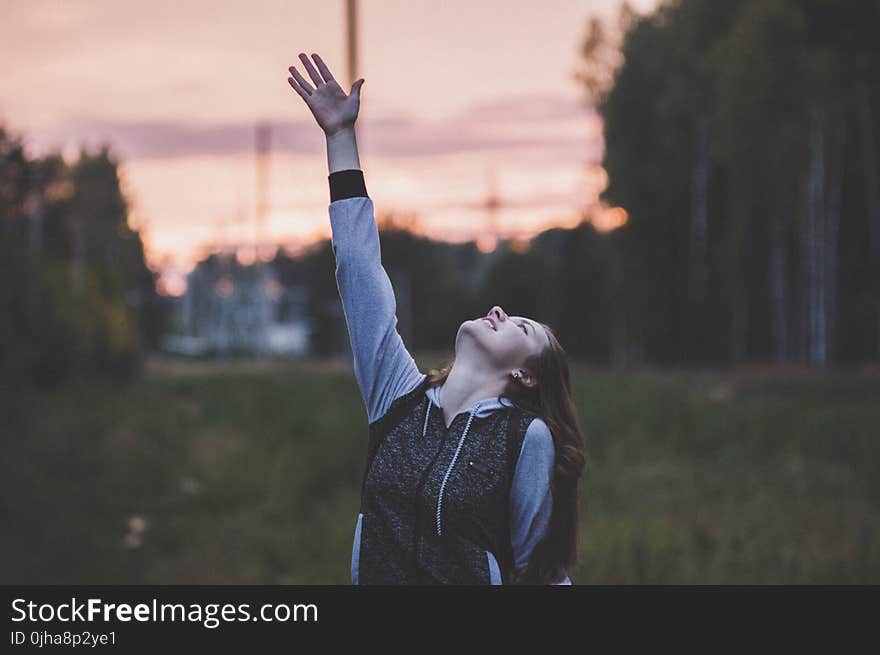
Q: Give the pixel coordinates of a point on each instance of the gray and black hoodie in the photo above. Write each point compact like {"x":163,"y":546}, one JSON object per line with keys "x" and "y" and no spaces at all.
{"x":458,"y":504}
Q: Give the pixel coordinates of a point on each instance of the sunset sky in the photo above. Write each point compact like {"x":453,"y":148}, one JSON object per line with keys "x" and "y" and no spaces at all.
{"x":455,"y":91}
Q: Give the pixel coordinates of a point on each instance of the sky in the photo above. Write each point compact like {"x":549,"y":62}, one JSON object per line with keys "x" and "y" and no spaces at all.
{"x":459,"y":96}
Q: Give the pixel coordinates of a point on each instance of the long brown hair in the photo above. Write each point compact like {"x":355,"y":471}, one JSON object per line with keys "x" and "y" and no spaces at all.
{"x":556,"y":554}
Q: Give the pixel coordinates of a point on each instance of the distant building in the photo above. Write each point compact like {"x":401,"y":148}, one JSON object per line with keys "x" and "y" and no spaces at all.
{"x":229,"y":308}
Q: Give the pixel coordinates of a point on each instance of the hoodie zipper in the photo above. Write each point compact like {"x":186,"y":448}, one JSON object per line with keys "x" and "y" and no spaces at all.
{"x":449,"y":469}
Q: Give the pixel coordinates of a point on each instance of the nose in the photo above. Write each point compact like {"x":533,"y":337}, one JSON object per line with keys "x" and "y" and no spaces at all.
{"x":498,"y":313}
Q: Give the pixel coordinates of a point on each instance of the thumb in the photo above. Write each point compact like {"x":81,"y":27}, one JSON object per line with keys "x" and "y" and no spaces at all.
{"x":356,"y":87}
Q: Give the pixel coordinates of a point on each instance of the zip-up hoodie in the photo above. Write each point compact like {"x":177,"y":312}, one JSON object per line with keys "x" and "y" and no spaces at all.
{"x":395,"y":545}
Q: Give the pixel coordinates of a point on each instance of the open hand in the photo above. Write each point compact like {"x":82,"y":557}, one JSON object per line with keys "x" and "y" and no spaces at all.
{"x":331,"y":107}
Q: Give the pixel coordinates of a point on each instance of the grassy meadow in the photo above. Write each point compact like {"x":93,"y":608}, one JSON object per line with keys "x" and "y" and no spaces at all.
{"x":249,"y":473}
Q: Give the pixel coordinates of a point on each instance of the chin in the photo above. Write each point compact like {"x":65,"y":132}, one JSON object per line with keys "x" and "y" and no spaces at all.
{"x":468,"y":329}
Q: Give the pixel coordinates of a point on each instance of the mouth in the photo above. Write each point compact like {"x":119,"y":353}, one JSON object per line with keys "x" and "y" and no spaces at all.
{"x":492,"y":322}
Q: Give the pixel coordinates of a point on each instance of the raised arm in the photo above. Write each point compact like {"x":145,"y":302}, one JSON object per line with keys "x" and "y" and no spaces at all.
{"x":383,"y":367}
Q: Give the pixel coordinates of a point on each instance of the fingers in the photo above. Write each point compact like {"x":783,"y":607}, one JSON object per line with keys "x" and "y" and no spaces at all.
{"x":298,"y":89}
{"x":300,"y":82}
{"x":322,"y":67}
{"x":311,"y":70}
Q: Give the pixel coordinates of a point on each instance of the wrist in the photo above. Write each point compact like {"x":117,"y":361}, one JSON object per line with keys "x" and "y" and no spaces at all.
{"x":342,"y":151}
{"x":343,"y":132}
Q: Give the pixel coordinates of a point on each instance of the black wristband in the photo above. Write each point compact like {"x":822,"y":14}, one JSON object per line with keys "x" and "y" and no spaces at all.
{"x":347,"y":184}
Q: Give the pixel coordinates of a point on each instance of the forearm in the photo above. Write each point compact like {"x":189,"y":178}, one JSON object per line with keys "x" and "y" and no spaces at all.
{"x":342,"y":151}
{"x":383,"y":367}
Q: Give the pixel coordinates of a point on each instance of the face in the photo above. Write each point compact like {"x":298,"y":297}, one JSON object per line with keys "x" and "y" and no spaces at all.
{"x":505,"y":341}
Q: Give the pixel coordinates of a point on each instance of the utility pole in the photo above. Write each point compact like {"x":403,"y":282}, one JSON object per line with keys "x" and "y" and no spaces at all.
{"x":259,"y":307}
{"x":263,"y":147}
{"x":351,"y":47}
{"x":351,"y":40}
{"x":492,"y":203}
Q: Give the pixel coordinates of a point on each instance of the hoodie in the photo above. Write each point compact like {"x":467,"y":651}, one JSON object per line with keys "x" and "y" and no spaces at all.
{"x":386,"y":372}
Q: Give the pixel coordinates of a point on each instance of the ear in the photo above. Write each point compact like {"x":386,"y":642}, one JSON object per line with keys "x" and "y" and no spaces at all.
{"x":527,"y":378}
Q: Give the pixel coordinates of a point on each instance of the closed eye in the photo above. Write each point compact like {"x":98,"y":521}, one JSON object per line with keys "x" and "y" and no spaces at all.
{"x":523,"y":326}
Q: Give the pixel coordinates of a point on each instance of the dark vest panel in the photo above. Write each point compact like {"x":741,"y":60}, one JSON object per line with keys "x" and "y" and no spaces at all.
{"x":436,"y":508}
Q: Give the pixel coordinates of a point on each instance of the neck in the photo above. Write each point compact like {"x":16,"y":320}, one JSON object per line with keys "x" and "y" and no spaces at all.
{"x":464,"y":386}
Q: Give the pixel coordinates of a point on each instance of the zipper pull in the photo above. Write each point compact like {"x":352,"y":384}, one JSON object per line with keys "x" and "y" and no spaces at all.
{"x":479,"y":469}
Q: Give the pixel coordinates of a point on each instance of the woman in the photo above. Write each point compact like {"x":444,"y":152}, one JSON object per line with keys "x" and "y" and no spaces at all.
{"x":472,"y":471}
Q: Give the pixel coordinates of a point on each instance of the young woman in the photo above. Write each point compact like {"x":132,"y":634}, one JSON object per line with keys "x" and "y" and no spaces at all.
{"x":472,"y":470}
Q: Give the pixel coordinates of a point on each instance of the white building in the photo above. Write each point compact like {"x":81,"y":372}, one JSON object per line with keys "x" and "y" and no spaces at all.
{"x":229,"y":308}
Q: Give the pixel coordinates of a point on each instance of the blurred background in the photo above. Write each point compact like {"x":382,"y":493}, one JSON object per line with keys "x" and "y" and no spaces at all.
{"x":687,"y":192}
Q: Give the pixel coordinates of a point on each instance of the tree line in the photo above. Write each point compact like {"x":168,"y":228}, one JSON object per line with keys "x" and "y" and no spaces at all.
{"x":76,"y":296}
{"x":741,"y":137}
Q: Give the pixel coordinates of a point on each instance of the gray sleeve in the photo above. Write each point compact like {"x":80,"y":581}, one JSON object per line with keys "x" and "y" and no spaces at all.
{"x":383,"y":367}
{"x":531,"y":501}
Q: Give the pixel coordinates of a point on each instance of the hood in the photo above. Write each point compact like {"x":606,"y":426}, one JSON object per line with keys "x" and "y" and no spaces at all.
{"x":487,"y":405}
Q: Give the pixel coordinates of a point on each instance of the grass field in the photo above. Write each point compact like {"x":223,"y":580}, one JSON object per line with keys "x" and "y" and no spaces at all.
{"x":249,"y":473}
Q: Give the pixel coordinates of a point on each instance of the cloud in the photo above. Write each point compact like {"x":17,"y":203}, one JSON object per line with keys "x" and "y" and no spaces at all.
{"x":559,"y":126}
{"x":539,"y":107}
